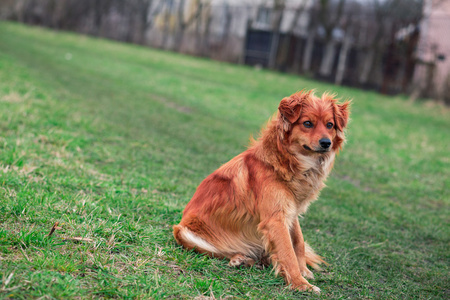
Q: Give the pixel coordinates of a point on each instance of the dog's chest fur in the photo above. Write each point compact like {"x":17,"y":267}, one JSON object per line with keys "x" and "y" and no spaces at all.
{"x":307,"y":183}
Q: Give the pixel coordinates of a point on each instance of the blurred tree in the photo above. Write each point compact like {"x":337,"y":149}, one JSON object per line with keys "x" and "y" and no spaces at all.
{"x":183,"y":23}
{"x":368,"y":30}
{"x":141,"y":9}
{"x":278,"y":9}
{"x":286,"y":44}
{"x":389,"y":16}
{"x":330,"y":15}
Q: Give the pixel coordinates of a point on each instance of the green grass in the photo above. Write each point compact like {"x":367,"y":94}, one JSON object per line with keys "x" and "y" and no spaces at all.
{"x":111,"y":141}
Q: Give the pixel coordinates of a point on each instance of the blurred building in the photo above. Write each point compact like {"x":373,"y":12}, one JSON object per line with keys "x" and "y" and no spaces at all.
{"x":392,"y":46}
{"x":432,"y":73}
{"x":218,"y":28}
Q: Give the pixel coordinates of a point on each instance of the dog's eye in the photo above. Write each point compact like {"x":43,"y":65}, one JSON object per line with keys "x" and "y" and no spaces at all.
{"x":329,"y":125}
{"x":308,"y":124}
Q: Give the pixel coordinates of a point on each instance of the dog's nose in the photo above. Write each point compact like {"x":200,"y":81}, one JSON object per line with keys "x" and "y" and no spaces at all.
{"x":325,"y":143}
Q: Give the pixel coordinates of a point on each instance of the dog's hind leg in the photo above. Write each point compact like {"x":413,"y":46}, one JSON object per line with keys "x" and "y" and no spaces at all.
{"x":189,"y":240}
{"x":241,"y":260}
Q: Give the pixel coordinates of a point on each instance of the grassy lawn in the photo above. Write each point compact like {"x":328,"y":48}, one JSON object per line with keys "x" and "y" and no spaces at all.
{"x":111,"y":141}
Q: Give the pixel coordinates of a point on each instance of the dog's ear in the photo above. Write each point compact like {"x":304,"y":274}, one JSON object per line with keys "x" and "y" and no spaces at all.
{"x":341,"y":115}
{"x":291,"y":107}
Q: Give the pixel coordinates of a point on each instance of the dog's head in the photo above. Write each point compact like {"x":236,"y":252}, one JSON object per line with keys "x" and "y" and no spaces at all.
{"x":310,"y":125}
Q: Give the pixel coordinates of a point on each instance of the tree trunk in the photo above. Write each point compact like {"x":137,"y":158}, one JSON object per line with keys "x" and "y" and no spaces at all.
{"x":278,"y":10}
{"x":274,"y":49}
{"x":144,"y":11}
{"x":179,"y":35}
{"x":367,"y":66}
{"x":228,"y":16}
{"x":167,"y":16}
{"x":343,"y":56}
{"x":97,"y":17}
{"x":198,"y":37}
{"x":307,"y":55}
{"x":205,"y":44}
{"x":326,"y":65}
{"x":288,"y":40}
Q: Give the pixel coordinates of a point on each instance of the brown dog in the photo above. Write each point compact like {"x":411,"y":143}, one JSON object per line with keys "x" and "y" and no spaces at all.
{"x":248,"y":209}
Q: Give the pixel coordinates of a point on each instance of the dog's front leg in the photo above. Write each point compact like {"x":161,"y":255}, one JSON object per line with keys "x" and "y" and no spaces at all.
{"x":299,"y":248}
{"x":278,"y":244}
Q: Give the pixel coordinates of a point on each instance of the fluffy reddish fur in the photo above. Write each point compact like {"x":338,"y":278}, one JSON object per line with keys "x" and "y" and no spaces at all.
{"x":247,"y":210}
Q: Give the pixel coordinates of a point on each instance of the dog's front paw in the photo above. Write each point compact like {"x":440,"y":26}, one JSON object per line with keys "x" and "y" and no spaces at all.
{"x":308,"y":288}
{"x":315,"y":290}
{"x":307,"y":274}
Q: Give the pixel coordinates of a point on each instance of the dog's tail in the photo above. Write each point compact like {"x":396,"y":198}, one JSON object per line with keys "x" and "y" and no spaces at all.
{"x":312,"y":258}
